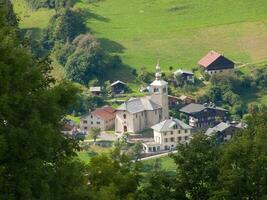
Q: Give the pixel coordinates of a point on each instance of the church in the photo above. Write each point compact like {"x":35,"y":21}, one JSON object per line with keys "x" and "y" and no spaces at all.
{"x":137,"y":114}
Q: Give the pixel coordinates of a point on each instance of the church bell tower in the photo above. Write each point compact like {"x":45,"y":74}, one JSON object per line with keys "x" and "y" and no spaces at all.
{"x":159,"y":92}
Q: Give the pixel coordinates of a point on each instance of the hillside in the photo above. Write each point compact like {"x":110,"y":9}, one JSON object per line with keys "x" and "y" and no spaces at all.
{"x":179,"y":32}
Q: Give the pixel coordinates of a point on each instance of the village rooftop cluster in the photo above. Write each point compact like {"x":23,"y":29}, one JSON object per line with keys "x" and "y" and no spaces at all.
{"x":152,"y":112}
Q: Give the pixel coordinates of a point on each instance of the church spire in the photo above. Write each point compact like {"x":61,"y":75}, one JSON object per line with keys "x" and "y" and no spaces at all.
{"x":158,"y":71}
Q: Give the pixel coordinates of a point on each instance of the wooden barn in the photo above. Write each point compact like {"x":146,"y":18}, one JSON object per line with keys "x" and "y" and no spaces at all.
{"x":214,"y":62}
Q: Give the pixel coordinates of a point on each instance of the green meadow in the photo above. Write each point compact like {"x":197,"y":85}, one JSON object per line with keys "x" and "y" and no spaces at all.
{"x":179,"y":32}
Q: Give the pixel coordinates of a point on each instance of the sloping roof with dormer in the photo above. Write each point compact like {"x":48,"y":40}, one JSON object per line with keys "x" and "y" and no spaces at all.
{"x":168,"y":124}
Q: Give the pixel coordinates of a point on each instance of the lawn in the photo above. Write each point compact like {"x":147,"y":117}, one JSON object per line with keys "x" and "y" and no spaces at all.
{"x":32,"y":20}
{"x":167,"y":164}
{"x":179,"y":32}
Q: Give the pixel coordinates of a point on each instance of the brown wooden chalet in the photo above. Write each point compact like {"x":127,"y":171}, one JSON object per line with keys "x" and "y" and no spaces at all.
{"x":214,"y":62}
{"x":224,"y":131}
{"x":204,"y":116}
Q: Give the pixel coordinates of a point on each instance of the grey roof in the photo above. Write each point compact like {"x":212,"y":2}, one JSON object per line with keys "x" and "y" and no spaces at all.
{"x":219,"y":128}
{"x":116,"y":82}
{"x":168,"y":124}
{"x":95,"y":89}
{"x":195,"y":108}
{"x":181,"y":71}
{"x":223,"y":126}
{"x":138,"y":105}
{"x":159,"y":83}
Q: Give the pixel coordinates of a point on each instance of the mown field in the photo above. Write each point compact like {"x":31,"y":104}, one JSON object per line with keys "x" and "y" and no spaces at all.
{"x":179,"y":32}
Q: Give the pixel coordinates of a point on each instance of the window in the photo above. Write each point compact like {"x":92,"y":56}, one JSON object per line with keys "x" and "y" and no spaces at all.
{"x":186,"y":138}
{"x":164,"y":90}
{"x":85,"y":128}
{"x":175,"y":126}
{"x":85,"y":121}
{"x":185,"y":131}
{"x":171,"y":132}
{"x":172,"y":139}
{"x":91,"y":116}
{"x":156,"y":89}
{"x":142,"y":113}
{"x":156,"y":111}
{"x":179,"y":139}
{"x":166,"y":139}
{"x":92,"y":122}
{"x":165,"y":134}
{"x":125,"y":129}
{"x":124,"y":116}
{"x":97,"y":122}
{"x":179,"y":131}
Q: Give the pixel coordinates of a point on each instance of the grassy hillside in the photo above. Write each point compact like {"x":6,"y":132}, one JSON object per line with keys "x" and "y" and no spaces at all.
{"x":179,"y":32}
{"x":31,"y":19}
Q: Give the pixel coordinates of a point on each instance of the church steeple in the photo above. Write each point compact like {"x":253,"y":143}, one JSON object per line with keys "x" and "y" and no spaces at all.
{"x":159,"y":92}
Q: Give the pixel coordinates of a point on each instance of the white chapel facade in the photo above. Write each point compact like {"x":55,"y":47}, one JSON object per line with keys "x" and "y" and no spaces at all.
{"x":138,"y":114}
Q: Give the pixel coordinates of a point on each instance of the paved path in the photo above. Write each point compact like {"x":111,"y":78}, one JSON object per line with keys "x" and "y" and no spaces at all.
{"x":107,"y":136}
{"x":158,"y":155}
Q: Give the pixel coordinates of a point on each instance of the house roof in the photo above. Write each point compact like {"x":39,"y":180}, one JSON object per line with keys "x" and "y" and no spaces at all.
{"x":168,"y":124}
{"x":223,"y":126}
{"x":136,"y":105}
{"x":106,"y":112}
{"x":117,"y":82}
{"x":181,"y":71}
{"x":195,"y":108}
{"x":95,"y":89}
{"x":209,"y":58}
{"x":219,"y":128}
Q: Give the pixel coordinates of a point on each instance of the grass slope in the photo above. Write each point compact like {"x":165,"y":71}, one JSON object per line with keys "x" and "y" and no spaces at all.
{"x":179,"y":32}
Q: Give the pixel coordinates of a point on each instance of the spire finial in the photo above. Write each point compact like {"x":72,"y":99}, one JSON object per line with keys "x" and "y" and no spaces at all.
{"x":158,"y":66}
{"x":158,"y":71}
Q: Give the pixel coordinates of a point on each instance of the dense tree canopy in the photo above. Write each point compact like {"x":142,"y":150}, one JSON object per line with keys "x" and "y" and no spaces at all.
{"x":33,"y":152}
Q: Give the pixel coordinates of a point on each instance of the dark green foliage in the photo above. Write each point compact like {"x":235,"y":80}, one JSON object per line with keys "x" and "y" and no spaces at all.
{"x":84,"y":103}
{"x":8,"y":16}
{"x":34,"y":155}
{"x":197,"y":167}
{"x":57,"y":4}
{"x":243,"y":172}
{"x":113,"y":179}
{"x":63,"y":51}
{"x":64,"y":26}
{"x":84,"y":59}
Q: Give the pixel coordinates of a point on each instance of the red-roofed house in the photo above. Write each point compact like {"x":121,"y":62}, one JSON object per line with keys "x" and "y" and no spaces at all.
{"x":103,"y":118}
{"x":214,"y":62}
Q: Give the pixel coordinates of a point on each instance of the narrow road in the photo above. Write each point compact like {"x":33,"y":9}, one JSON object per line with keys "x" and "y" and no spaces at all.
{"x":158,"y":155}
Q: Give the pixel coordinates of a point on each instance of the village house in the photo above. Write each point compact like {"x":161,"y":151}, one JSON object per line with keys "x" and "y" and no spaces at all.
{"x":67,"y":126}
{"x":167,"y":135}
{"x":214,"y":62}
{"x":224,"y":131}
{"x":187,"y":76}
{"x":118,"y":87}
{"x":179,"y":101}
{"x":103,"y":118}
{"x":95,"y":90}
{"x":204,"y":116}
{"x":137,"y":114}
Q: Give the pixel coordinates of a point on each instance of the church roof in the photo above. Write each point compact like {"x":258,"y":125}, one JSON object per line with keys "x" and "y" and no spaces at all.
{"x":138,"y":105}
{"x":168,"y":124}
